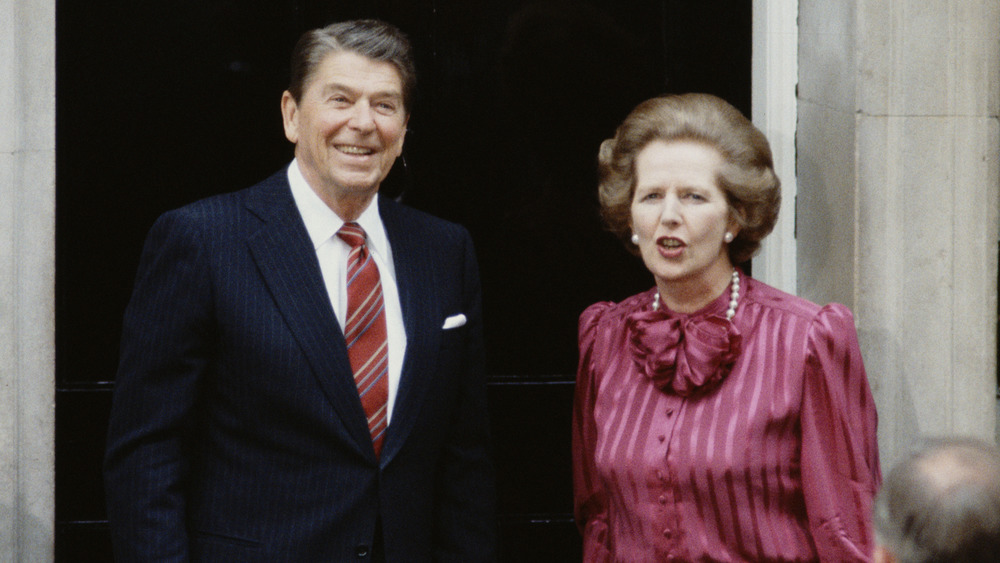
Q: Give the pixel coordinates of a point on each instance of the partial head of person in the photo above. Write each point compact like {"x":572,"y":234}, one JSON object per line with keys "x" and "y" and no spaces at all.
{"x":941,"y":503}
{"x":347,"y":106}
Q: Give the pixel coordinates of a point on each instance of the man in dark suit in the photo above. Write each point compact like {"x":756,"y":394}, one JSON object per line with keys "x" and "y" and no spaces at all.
{"x":245,"y":427}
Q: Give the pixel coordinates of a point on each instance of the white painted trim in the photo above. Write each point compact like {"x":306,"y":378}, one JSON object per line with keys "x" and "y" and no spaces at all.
{"x":773,"y":94}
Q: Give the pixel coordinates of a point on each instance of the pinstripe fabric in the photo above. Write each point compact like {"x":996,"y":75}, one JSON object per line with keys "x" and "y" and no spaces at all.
{"x":365,"y":332}
{"x":779,"y":463}
{"x":237,"y":433}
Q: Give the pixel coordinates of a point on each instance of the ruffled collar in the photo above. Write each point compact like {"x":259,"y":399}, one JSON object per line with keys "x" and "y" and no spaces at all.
{"x":684,"y":354}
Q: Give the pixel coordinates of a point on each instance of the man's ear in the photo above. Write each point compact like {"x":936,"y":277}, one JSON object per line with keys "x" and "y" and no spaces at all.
{"x":402,"y":137}
{"x":290,"y":116}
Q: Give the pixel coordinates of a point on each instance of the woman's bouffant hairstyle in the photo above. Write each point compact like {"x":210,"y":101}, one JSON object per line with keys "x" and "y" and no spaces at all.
{"x":374,"y":39}
{"x":747,"y":177}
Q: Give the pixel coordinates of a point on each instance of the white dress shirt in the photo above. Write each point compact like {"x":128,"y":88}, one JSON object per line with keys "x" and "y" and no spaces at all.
{"x":322,"y":224}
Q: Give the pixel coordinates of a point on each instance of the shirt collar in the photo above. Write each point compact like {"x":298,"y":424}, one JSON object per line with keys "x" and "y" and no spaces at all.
{"x":322,"y":223}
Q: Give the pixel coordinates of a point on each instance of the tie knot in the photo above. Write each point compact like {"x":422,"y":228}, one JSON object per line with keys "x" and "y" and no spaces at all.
{"x":352,"y":234}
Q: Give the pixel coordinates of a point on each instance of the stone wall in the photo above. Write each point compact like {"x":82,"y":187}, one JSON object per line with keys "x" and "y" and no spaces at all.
{"x":898,"y":150}
{"x":27,"y":235}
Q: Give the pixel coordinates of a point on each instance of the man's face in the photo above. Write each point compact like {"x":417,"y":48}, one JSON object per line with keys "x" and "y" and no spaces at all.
{"x":348,"y":128}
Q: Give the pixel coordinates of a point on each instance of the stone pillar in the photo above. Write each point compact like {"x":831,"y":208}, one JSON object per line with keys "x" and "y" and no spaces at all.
{"x":898,"y":151}
{"x":27,"y":274}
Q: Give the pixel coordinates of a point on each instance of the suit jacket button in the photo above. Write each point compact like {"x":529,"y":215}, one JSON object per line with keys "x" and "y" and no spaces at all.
{"x":361,"y":551}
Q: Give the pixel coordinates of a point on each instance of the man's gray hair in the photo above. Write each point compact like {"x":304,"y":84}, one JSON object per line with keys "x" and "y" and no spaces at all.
{"x":374,"y":39}
{"x":942,"y":503}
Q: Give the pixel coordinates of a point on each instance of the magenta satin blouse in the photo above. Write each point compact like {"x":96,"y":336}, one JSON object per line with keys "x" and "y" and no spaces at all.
{"x":697,"y":440}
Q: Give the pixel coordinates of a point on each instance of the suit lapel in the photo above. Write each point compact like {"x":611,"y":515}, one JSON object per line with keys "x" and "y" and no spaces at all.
{"x":419,"y":301}
{"x":287,"y":261}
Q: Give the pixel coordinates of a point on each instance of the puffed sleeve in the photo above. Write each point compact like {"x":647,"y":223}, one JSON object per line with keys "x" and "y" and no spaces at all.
{"x":840,"y":465}
{"x":590,"y":506}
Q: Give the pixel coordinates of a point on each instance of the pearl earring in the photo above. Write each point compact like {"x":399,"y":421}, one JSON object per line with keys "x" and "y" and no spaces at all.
{"x":728,"y":238}
{"x":635,"y":239}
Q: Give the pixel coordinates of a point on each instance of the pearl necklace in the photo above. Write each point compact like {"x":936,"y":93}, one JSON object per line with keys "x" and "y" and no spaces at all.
{"x":734,"y":297}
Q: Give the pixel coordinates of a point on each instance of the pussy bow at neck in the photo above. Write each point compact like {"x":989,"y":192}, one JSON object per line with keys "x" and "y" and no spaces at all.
{"x":684,"y":355}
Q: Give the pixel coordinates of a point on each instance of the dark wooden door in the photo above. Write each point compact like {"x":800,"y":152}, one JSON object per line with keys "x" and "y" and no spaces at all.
{"x":161,"y":103}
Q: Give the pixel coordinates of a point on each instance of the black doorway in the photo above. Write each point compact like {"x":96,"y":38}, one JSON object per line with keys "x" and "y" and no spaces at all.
{"x":161,"y":103}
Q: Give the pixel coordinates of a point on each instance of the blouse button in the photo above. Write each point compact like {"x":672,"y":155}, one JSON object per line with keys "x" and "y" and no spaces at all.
{"x":663,"y":499}
{"x":666,"y":533}
{"x":661,"y":438}
{"x":670,"y":412}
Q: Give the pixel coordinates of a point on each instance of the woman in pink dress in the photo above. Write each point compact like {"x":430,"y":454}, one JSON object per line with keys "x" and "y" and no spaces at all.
{"x":716,"y":418}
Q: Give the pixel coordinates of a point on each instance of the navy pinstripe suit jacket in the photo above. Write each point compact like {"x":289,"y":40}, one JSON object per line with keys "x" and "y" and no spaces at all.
{"x":237,"y":433}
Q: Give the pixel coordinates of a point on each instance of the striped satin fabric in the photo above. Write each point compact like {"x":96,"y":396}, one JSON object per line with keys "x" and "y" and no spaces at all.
{"x":365,"y":331}
{"x":779,"y":463}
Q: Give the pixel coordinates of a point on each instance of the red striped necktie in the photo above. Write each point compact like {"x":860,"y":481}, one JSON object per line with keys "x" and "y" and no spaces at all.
{"x":365,"y":332}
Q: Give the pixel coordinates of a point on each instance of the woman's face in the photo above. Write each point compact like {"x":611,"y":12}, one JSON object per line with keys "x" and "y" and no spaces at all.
{"x":681,"y":215}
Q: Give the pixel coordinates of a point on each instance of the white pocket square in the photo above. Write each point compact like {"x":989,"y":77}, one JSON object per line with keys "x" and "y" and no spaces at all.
{"x":454,"y":321}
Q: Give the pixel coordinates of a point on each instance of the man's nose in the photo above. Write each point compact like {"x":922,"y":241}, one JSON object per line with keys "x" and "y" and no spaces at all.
{"x":362,"y":118}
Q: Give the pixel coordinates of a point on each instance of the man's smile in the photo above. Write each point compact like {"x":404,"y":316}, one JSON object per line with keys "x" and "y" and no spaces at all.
{"x":355,"y":150}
